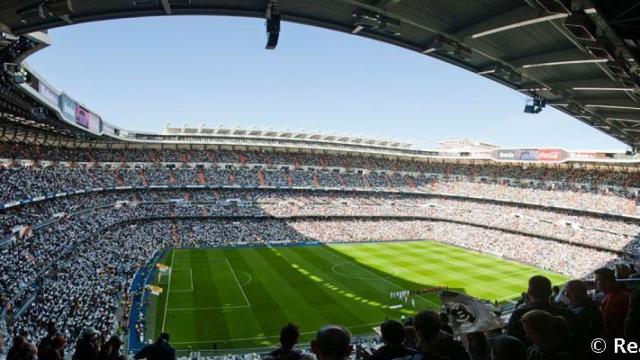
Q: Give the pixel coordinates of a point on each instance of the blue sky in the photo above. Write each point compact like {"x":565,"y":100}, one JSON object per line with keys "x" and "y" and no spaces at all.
{"x":143,"y":73}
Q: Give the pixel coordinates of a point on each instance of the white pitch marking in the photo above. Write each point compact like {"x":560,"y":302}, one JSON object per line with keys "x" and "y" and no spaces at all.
{"x":238,"y":282}
{"x":166,"y":303}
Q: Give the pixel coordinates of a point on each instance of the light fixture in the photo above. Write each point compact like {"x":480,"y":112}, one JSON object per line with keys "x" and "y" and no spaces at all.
{"x":435,"y":45}
{"x":613,"y":107}
{"x":519,"y":24}
{"x":602,"y":89}
{"x":566,"y":62}
{"x":623,"y":119}
{"x":486,"y":72}
{"x":535,"y":105}
{"x":372,"y":21}
{"x":7,"y":38}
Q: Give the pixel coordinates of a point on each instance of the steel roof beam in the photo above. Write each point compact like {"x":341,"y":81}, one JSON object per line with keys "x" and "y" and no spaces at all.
{"x":166,"y":6}
{"x":387,"y":4}
{"x":620,"y":116}
{"x":570,"y":84}
{"x":613,"y":104}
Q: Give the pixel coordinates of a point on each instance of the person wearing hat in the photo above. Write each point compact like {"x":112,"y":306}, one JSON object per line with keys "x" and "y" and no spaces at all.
{"x":111,"y":349}
{"x":160,"y":350}
{"x":87,"y":346}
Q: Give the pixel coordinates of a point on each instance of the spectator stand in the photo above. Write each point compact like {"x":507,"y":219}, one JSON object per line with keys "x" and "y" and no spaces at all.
{"x":140,"y":300}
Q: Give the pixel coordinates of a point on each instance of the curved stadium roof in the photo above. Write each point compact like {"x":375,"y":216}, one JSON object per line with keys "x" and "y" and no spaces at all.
{"x":579,"y":56}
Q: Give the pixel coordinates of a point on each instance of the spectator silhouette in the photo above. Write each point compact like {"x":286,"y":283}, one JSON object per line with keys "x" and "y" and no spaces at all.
{"x":632,"y":323}
{"x":47,"y":342}
{"x":87,"y":346}
{"x":53,"y":351}
{"x":435,"y":343}
{"x":289,"y":336}
{"x":615,"y":304}
{"x":549,"y":335}
{"x":18,"y":342}
{"x":587,"y":320}
{"x":505,"y":347}
{"x":332,"y":342}
{"x":538,"y":298}
{"x":393,"y":336}
{"x":111,"y":349}
{"x":160,"y":350}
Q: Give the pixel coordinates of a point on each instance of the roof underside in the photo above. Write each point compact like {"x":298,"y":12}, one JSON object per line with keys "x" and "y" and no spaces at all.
{"x":580,"y":56}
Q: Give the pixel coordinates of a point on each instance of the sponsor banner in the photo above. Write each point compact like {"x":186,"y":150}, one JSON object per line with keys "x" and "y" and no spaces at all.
{"x":47,"y":93}
{"x":68,"y":108}
{"x":584,"y":156}
{"x":82,"y":116}
{"x":108,"y":129}
{"x":94,"y":123}
{"x":549,"y":155}
{"x":482,"y":154}
{"x":506,"y":155}
{"x":529,"y":155}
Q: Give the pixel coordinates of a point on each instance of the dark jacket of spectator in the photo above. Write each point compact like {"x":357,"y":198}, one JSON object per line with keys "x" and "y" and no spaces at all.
{"x":553,"y":350}
{"x":588,"y":325}
{"x":18,"y":342}
{"x":160,"y":350}
{"x":286,"y":354}
{"x":388,"y":352}
{"x":632,"y":323}
{"x":86,"y":350}
{"x":515,"y":327}
{"x":614,"y":312}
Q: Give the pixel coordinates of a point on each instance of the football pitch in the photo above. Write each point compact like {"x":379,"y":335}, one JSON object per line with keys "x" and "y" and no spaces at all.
{"x":236,"y":298}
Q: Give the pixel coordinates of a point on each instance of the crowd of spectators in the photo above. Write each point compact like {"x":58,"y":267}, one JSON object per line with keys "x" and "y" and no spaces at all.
{"x":577,"y":174}
{"x":544,"y":326}
{"x":67,"y":264}
{"x":594,"y":189}
{"x":22,"y":263}
{"x":83,"y":281}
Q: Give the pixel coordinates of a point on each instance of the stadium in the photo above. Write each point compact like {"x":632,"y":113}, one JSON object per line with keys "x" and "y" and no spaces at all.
{"x":111,"y":238}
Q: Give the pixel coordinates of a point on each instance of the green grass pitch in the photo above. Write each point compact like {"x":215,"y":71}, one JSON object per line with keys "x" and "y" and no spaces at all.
{"x":240,"y":297}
